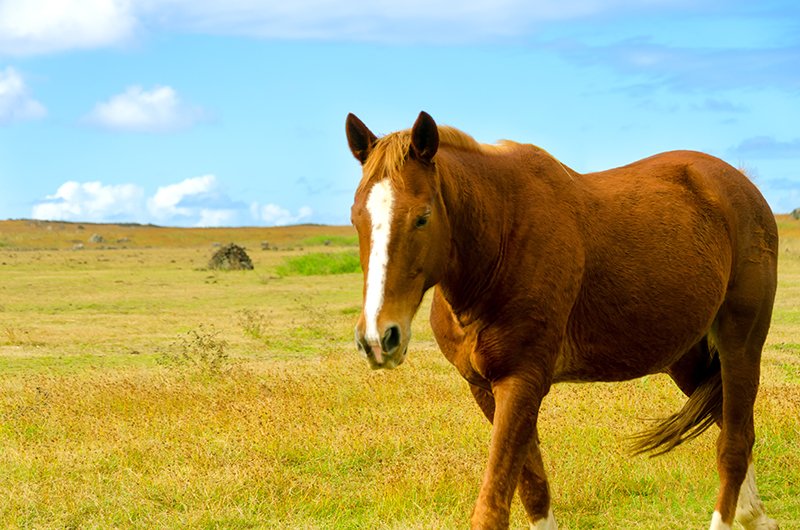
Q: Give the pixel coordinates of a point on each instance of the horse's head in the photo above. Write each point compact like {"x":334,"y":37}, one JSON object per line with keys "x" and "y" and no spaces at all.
{"x":403,"y":233}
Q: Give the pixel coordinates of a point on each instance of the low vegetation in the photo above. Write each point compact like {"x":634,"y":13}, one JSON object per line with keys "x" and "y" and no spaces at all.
{"x":321,"y":263}
{"x":141,"y":390}
{"x":199,"y":349}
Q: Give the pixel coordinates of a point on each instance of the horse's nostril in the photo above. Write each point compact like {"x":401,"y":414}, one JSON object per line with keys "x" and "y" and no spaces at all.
{"x":391,"y":339}
{"x":362,"y":344}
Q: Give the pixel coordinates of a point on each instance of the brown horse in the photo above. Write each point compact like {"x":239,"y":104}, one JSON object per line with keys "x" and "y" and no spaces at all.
{"x":546,"y":275}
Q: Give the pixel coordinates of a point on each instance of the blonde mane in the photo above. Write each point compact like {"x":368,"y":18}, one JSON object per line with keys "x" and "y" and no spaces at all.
{"x":389,"y":153}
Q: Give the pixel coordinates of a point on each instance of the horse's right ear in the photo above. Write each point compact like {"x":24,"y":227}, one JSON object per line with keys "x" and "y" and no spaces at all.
{"x":424,"y":138}
{"x":360,"y":138}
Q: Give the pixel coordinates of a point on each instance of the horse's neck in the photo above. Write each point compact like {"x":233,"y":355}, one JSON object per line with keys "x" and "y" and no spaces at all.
{"x":477,"y":205}
{"x":493,"y":220}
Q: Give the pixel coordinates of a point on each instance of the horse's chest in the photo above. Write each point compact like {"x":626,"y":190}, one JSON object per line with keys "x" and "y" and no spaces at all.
{"x":457,"y":345}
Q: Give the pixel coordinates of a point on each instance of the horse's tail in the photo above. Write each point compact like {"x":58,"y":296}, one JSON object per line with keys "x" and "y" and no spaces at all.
{"x":700,"y":412}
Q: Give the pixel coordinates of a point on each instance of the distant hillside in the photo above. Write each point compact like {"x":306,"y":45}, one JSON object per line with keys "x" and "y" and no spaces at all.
{"x":30,"y":234}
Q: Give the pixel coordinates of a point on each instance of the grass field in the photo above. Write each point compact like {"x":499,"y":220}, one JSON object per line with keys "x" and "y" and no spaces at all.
{"x":140,"y":390}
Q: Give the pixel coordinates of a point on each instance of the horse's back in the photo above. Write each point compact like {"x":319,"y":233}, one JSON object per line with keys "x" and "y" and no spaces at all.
{"x":689,"y":194}
{"x":664,"y":238}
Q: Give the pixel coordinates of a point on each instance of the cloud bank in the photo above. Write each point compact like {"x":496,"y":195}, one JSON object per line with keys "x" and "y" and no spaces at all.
{"x":91,"y":202}
{"x":195,"y":201}
{"x":274,"y":215}
{"x":45,"y":26}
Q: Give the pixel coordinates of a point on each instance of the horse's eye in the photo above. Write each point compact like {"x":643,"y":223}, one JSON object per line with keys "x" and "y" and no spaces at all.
{"x":422,"y":220}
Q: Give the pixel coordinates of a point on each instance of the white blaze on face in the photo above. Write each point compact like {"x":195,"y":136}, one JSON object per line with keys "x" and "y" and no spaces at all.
{"x":379,"y":206}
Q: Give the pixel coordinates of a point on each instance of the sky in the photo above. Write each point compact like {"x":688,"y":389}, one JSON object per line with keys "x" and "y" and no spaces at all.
{"x":208,"y":113}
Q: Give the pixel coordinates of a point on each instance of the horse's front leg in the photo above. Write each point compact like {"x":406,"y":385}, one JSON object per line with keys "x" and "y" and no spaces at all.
{"x":532,"y":488}
{"x":517,"y":400}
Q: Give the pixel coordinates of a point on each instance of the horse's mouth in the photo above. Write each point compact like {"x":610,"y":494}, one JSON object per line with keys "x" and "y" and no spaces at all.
{"x":390,"y":352}
{"x":386,"y":362}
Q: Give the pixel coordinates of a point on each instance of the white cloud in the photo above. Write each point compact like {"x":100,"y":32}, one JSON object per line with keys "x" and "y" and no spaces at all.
{"x":91,"y":201}
{"x":139,"y":110}
{"x":274,"y":215}
{"x":45,"y":26}
{"x":16,"y":103}
{"x":195,"y":200}
{"x":210,"y":217}
{"x":167,"y":201}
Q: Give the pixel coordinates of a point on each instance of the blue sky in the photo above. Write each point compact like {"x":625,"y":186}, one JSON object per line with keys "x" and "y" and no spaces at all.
{"x":200,"y":113}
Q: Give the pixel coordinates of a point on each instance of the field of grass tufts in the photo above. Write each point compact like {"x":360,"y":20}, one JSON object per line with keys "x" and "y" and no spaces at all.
{"x":140,"y":390}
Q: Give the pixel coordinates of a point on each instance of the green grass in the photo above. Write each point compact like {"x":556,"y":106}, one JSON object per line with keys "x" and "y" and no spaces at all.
{"x":321,"y":263}
{"x":138,"y":390}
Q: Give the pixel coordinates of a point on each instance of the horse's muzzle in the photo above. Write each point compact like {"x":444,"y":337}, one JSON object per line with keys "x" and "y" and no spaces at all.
{"x":388,"y":352}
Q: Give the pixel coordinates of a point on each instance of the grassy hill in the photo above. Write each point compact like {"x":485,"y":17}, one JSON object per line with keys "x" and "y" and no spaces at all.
{"x":30,"y":234}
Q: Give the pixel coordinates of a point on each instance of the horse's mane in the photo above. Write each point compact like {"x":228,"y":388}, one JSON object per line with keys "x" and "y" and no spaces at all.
{"x":389,"y":153}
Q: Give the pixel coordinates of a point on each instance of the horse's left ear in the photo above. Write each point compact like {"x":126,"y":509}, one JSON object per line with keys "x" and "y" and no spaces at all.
{"x":359,"y":137}
{"x":424,"y":138}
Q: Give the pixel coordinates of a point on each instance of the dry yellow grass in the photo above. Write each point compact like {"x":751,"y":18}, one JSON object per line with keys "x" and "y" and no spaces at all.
{"x":103,"y":426}
{"x":29,"y":234}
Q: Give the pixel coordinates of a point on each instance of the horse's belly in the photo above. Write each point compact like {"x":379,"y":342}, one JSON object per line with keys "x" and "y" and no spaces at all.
{"x":614,"y":340}
{"x":621,"y":362}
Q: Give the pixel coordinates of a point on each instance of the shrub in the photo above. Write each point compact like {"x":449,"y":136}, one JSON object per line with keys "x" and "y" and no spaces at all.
{"x":230,"y":257}
{"x":253,"y":323}
{"x":200,"y":349}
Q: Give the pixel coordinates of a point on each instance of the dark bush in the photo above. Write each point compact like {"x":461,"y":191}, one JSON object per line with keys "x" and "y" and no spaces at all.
{"x":231,"y":257}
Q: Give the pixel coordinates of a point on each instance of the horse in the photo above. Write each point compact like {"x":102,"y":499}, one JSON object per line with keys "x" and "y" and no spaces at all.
{"x":542,"y":275}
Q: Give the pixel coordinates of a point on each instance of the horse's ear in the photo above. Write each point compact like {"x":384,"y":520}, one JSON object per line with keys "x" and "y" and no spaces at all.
{"x":360,"y":138}
{"x":424,"y":138}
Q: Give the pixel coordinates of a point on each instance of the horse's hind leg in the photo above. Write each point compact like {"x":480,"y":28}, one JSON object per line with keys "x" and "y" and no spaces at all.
{"x":740,"y":332}
{"x":535,"y":493}
{"x":532,"y":487}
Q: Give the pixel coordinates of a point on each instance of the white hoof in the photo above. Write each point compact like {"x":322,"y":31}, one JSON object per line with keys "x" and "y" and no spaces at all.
{"x":548,"y":523}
